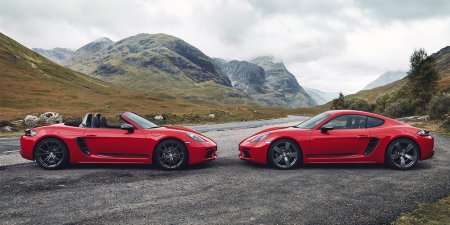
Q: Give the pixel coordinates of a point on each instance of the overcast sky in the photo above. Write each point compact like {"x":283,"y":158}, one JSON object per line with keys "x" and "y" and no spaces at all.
{"x":329,"y":45}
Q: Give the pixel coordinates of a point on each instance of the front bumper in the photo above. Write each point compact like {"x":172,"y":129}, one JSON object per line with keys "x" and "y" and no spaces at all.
{"x":426,"y":145}
{"x":254,"y":152}
{"x":201,"y":151}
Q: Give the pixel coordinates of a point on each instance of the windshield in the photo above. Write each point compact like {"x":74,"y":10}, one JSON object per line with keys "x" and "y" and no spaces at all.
{"x":142,"y":122}
{"x":313,"y":121}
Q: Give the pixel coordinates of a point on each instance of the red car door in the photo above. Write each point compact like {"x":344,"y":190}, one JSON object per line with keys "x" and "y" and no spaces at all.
{"x":348,"y":137}
{"x":116,"y":143}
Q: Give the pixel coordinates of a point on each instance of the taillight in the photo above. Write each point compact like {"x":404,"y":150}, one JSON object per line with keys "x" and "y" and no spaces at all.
{"x":30,"y":132}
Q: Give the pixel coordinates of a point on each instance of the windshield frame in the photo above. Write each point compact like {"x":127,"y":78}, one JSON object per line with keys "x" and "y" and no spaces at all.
{"x":322,"y":117}
{"x":143,"y":123}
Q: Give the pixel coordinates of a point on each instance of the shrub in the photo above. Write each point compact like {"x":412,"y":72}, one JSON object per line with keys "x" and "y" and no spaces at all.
{"x":439,"y":106}
{"x":359,"y":104}
{"x":399,"y":108}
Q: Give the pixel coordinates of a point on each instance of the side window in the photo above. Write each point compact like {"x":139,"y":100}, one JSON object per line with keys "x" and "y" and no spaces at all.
{"x":348,"y":122}
{"x":374,"y":122}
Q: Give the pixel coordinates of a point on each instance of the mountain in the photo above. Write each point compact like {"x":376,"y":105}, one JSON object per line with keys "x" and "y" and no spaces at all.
{"x":442,"y":60}
{"x":272,"y":85}
{"x":155,"y":63}
{"x":30,"y":83}
{"x":284,"y":82}
{"x":322,"y":97}
{"x":386,"y":78}
{"x":57,"y":55}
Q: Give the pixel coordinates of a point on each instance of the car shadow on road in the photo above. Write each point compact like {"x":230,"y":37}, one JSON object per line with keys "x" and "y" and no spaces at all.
{"x":202,"y":166}
{"x":336,"y":166}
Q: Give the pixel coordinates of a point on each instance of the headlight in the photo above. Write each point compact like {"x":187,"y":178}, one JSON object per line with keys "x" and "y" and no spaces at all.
{"x":30,"y":132}
{"x":260,"y":137}
{"x":423,"y":133}
{"x":195,"y":137}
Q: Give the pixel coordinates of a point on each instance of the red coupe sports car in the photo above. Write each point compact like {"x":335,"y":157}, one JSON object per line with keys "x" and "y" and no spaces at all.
{"x":341,"y":136}
{"x":136,"y":141}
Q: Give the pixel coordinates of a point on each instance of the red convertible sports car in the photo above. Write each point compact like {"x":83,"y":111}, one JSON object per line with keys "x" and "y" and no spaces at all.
{"x":341,"y":136}
{"x":136,"y":141}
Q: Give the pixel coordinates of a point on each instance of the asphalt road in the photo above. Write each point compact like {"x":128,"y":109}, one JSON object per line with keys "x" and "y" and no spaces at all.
{"x":224,"y":191}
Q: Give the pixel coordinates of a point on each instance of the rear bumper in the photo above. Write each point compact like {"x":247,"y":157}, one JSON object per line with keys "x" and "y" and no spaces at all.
{"x":27,"y":146}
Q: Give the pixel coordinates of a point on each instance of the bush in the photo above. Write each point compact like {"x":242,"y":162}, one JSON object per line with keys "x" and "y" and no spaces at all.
{"x":446,"y":124}
{"x":439,"y":106}
{"x":359,"y":104}
{"x":399,"y":108}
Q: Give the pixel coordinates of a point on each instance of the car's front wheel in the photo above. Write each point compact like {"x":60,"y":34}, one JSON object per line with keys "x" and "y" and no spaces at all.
{"x":51,"y":154}
{"x":171,"y":155}
{"x":402,"y":154}
{"x":284,"y":154}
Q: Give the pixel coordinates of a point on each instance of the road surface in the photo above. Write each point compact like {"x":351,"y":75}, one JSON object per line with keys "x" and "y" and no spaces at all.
{"x":224,"y":191}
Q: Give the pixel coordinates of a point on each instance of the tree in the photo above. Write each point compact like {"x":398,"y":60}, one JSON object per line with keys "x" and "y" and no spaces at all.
{"x":422,"y":80}
{"x":339,"y":103}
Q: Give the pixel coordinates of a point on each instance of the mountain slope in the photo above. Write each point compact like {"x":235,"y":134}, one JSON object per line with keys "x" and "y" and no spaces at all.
{"x":442,"y":59}
{"x":57,"y":55}
{"x":386,"y":78}
{"x":322,"y":97}
{"x":30,"y":83}
{"x":284,"y":82}
{"x":155,"y":63}
{"x":442,"y":65}
{"x":252,"y":79}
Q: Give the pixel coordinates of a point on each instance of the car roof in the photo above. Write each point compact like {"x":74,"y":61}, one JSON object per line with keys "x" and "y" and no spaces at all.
{"x":347,"y":111}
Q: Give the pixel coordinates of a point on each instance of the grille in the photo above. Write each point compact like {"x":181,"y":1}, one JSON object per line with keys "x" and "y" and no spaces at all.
{"x":246,"y":153}
{"x":209,"y":153}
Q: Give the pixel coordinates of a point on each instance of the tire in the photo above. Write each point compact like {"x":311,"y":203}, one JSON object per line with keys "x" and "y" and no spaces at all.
{"x":284,"y":154}
{"x":51,"y":154}
{"x":171,"y":155}
{"x":402,"y":154}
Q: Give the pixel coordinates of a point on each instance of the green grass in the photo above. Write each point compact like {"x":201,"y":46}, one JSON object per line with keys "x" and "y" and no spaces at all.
{"x":437,"y":213}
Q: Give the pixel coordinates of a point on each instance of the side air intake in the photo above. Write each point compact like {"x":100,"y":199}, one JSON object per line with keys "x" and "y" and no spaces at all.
{"x":82,"y":145}
{"x":371,"y":146}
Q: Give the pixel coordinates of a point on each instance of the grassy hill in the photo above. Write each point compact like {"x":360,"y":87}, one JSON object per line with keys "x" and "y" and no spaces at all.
{"x":32,"y":84}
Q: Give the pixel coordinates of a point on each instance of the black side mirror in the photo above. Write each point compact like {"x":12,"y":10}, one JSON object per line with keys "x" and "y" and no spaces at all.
{"x":326,"y":128}
{"x":127,"y":127}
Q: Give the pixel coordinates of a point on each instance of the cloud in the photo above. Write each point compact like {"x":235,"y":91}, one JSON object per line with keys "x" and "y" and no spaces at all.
{"x":331,"y":45}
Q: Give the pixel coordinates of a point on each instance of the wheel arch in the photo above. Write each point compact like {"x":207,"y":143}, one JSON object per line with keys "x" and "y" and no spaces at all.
{"x":285,"y":138}
{"x":55,"y":137}
{"x":402,"y":137}
{"x":165,"y":139}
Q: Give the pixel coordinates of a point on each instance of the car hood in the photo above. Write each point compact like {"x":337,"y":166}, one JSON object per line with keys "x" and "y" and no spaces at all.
{"x":270,"y":129}
{"x":180,"y":128}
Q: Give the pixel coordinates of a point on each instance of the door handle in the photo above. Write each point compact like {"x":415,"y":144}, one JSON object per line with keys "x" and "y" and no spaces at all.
{"x":91,"y":135}
{"x":362,"y":136}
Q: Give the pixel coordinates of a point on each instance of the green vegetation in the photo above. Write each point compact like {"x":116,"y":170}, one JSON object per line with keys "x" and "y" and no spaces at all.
{"x":417,"y":94}
{"x":428,"y":214}
{"x":353,"y":103}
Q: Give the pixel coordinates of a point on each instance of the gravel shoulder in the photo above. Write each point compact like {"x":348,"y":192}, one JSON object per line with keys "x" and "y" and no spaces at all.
{"x":223,"y":191}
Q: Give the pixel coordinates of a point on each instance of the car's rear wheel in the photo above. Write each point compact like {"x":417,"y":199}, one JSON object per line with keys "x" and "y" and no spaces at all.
{"x":402,"y":154}
{"x":51,"y":154}
{"x":171,"y":155}
{"x":284,"y":154}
